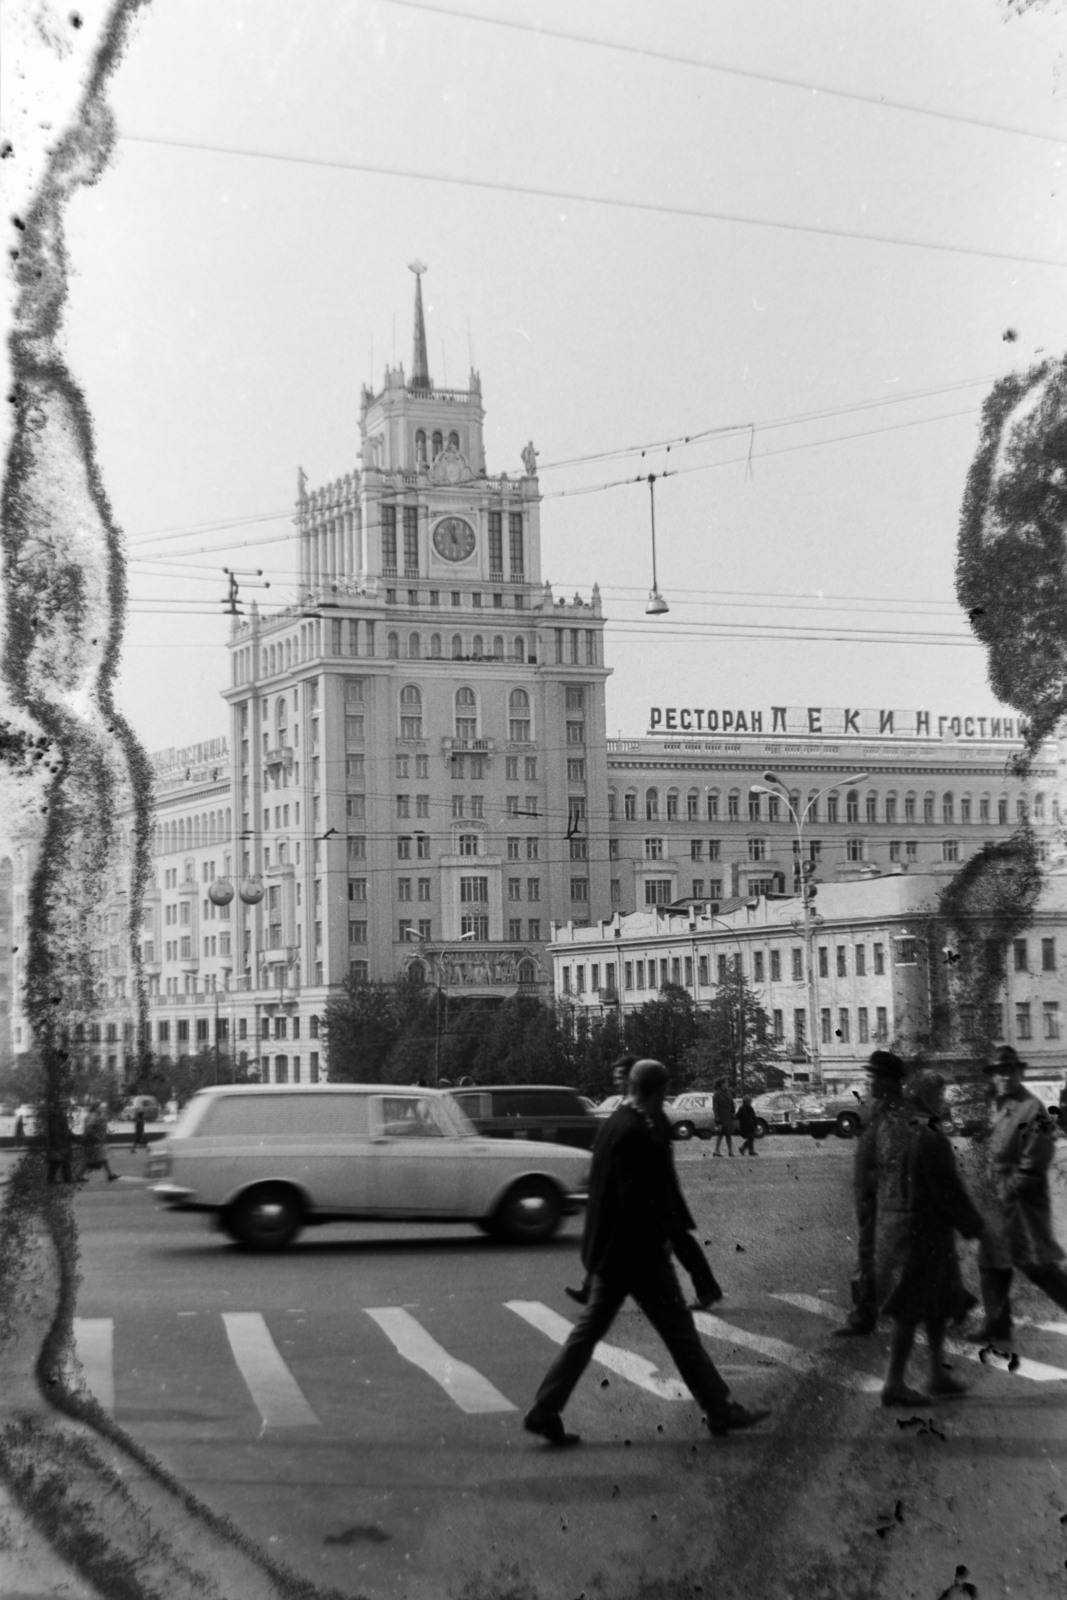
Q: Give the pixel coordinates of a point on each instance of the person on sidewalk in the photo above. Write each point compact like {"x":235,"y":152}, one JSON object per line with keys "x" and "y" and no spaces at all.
{"x":722,"y":1104}
{"x":1021,"y":1146}
{"x":921,"y":1206}
{"x":625,"y":1249}
{"x":138,"y":1130}
{"x":684,"y":1243}
{"x":886,"y":1073}
{"x":59,"y":1143}
{"x":94,"y":1137}
{"x":747,"y":1123}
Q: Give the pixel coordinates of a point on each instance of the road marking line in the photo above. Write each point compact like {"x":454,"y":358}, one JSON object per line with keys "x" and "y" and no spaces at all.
{"x":94,"y":1344}
{"x":1024,"y":1367}
{"x":622,"y":1362}
{"x":471,"y":1392}
{"x":790,"y":1355}
{"x":275,"y":1392}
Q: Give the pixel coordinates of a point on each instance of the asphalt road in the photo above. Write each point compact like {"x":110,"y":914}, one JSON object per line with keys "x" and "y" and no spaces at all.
{"x":355,"y":1404}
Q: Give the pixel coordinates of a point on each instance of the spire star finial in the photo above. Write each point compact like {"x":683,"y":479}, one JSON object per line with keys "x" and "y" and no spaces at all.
{"x":417,"y":267}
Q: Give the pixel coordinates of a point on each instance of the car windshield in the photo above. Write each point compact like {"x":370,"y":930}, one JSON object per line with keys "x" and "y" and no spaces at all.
{"x":455,"y":1115}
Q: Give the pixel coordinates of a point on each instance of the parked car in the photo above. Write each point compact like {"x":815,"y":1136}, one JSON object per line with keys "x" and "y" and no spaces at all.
{"x":606,"y":1107}
{"x":846,"y":1115}
{"x":529,"y":1111}
{"x":789,"y":1111}
{"x":266,"y":1160}
{"x":690,"y":1115}
{"x":143,"y":1102}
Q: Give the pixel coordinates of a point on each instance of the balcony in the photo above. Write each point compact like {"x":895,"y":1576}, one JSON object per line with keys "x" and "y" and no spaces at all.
{"x":474,"y":746}
{"x":280,"y":756}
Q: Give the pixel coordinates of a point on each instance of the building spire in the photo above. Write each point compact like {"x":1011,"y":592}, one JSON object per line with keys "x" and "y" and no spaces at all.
{"x":420,"y":366}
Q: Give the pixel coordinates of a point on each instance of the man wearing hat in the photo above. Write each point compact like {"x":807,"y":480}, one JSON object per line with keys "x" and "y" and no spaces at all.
{"x":886,"y":1072}
{"x":625,"y":1249}
{"x":1021,"y":1144}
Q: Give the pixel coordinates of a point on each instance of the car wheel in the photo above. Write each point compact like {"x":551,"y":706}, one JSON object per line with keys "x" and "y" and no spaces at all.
{"x":848,"y":1125}
{"x":265,"y":1219}
{"x":529,"y":1212}
{"x":683,"y":1130}
{"x":762,"y":1128}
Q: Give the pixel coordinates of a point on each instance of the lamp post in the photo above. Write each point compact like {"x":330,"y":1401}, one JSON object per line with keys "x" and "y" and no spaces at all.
{"x":778,"y":789}
{"x":437,"y":955}
{"x":740,"y":1003}
{"x":657,"y":606}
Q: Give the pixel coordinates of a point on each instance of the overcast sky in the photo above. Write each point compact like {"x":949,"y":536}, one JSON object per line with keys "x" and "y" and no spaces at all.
{"x":226,"y":309}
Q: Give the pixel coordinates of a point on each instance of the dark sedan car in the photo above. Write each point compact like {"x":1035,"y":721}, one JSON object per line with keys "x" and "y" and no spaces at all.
{"x":521,"y":1111}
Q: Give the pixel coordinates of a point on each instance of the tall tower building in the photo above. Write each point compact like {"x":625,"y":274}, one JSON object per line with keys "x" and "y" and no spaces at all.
{"x":419,"y":753}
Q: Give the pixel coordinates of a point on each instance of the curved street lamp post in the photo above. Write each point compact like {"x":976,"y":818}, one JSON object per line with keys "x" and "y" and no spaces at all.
{"x":778,"y":789}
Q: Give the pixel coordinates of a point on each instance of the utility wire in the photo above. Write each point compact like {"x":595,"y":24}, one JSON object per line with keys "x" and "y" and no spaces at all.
{"x":657,"y":208}
{"x":539,"y":30}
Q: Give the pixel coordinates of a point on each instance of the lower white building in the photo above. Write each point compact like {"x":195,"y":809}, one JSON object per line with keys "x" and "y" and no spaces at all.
{"x":867,"y":972}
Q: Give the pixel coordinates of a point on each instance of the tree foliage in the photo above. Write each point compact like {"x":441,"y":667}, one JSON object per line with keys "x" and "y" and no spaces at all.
{"x":735,"y":1041}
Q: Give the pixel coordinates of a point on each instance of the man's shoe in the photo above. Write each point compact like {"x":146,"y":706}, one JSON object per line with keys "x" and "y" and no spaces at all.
{"x":861,"y":1328}
{"x":733,"y":1418}
{"x":549,"y":1425}
{"x":704,"y":1302}
{"x":581,"y":1295}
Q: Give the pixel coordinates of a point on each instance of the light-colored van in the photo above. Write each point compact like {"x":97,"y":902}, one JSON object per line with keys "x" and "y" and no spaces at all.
{"x":267,"y":1160}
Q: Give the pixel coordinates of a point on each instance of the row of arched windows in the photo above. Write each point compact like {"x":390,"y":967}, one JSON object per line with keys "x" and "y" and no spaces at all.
{"x":711,"y":805}
{"x":186,"y":833}
{"x":466,"y":714}
{"x":436,"y":443}
{"x":479,"y":648}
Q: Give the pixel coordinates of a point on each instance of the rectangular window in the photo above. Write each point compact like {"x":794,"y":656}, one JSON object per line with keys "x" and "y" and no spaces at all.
{"x":950,"y":850}
{"x":757,"y":849}
{"x":534,"y":927}
{"x":653,"y":849}
{"x":579,"y":849}
{"x":403,"y":888}
{"x":473,"y":890}
{"x":1050,"y":1016}
{"x":698,"y":888}
{"x":824,"y":961}
{"x":477,"y":926}
{"x":403,"y":849}
{"x":713,"y":808}
{"x":411,"y":541}
{"x":514,"y":888}
{"x":1022,"y":1019}
{"x":881,"y":1029}
{"x":703,"y":970}
{"x":627,"y":974}
{"x":798,"y":964}
{"x":757,"y":966}
{"x":907,"y":952}
{"x":515,"y":928}
{"x":424,"y":889}
{"x":879,"y":960}
{"x":576,"y":771}
{"x":843,"y":1025}
{"x":657,"y":891}
{"x":533,"y":848}
{"x":696,"y":849}
{"x":1048,"y":955}
{"x":389,"y":541}
{"x":511,"y":769}
{"x":863,"y":1034}
{"x":776,"y":966}
{"x":496,"y":545}
{"x":778,"y":1026}
{"x":800,"y":1029}
{"x":911,"y":850}
{"x":513,"y":849}
{"x":403,"y":805}
{"x":854,"y":850}
{"x":422,"y":846}
{"x":575,"y":733}
{"x":515,"y":552}
{"x":616,"y":891}
{"x":824,"y":1024}
{"x":1020,"y":955}
{"x":861,"y":961}
{"x":579,"y":888}
{"x":357,"y":932}
{"x":842,"y":961}
{"x":353,"y":729}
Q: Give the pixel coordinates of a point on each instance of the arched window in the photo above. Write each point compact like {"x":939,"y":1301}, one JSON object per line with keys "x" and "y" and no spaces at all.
{"x":477,"y":647}
{"x":948,"y":808}
{"x":498,"y":647}
{"x":852,"y":806}
{"x":435,"y":646}
{"x":872,"y":807}
{"x":281,"y":716}
{"x":630,"y":805}
{"x":457,"y":647}
{"x":281,"y":1069}
{"x":519,"y":648}
{"x":437,"y":443}
{"x":813,"y":806}
{"x":288,"y":653}
{"x":453,"y":441}
{"x":414,"y":647}
{"x":466,"y":714}
{"x":613,"y":805}
{"x":965,"y":808}
{"x":753,"y":807}
{"x":211,"y":827}
{"x":519,"y":716}
{"x":928,"y":807}
{"x":416,"y":972}
{"x":265,"y":663}
{"x":410,"y":712}
{"x":527,"y":974}
{"x":651,"y":805}
{"x":909,"y":806}
{"x":228,"y":822}
{"x":196,"y":832}
{"x":1020,"y":809}
{"x":891,"y":806}
{"x":794,"y":801}
{"x":1039,"y":808}
{"x":733,"y":805}
{"x":1002,"y":808}
{"x":692,"y":805}
{"x":672,"y":805}
{"x":420,"y":446}
{"x":273,"y":659}
{"x":983,"y":808}
{"x":832,"y":802}
{"x":393,"y":646}
{"x":713,"y":805}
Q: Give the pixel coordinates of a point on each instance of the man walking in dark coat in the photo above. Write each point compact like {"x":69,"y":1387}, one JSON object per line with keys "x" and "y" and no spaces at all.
{"x":628,"y":1227}
{"x":747,"y":1123}
{"x":887,"y":1079}
{"x":722,"y":1104}
{"x":1021,"y":1146}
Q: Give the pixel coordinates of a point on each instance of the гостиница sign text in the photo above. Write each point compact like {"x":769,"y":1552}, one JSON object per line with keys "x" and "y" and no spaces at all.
{"x":835,"y":721}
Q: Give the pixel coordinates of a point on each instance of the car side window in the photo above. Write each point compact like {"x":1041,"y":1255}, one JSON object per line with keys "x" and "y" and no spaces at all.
{"x":405,"y":1117}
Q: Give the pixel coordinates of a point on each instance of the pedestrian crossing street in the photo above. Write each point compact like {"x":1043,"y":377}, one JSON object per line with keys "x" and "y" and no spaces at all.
{"x":297,"y":1376}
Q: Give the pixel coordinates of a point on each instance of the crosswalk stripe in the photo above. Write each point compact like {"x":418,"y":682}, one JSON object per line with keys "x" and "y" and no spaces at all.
{"x":94,"y":1343}
{"x":790,"y":1355}
{"x":622,"y":1362}
{"x":274,"y":1390}
{"x":1019,"y":1366}
{"x":462,"y":1383}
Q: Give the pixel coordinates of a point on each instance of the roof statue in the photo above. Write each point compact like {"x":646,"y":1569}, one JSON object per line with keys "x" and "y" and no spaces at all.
{"x":529,"y":460}
{"x":420,"y":365}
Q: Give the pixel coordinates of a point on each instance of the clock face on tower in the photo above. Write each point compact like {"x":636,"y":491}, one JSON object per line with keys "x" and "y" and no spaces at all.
{"x":453,"y":539}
